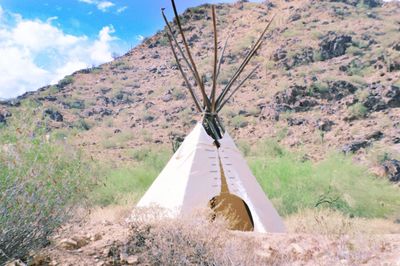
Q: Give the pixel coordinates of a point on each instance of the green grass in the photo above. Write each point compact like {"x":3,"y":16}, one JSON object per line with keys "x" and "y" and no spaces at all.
{"x":293,"y":183}
{"x":127,"y":184}
{"x":290,"y":180}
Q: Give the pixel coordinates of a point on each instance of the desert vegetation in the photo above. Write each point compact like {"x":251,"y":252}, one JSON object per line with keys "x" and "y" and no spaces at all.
{"x":40,"y":183}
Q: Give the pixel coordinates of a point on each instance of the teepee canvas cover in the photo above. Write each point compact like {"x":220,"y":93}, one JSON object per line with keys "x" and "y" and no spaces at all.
{"x":208,"y":170}
{"x":192,"y":178}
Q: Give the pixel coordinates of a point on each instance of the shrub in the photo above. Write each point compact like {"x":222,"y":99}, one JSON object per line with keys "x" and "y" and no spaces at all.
{"x":39,"y":183}
{"x":192,"y":240}
{"x":65,"y":82}
{"x":358,"y":110}
{"x":82,"y":124}
{"x":239,"y":121}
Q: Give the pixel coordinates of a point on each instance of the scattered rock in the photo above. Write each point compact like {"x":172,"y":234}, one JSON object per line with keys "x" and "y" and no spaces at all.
{"x":296,"y":121}
{"x":15,"y":263}
{"x":148,"y":105}
{"x":3,"y":119}
{"x":374,"y":103}
{"x":149,"y":118}
{"x":295,"y":17}
{"x":68,"y":244}
{"x":376,"y":135}
{"x":393,"y":95}
{"x":339,"y":89}
{"x":325,"y":125}
{"x":54,"y":115}
{"x":81,"y":241}
{"x":130,"y":260}
{"x":372,"y":3}
{"x":48,"y":98}
{"x":167,"y":97}
{"x":279,"y":55}
{"x":193,"y":38}
{"x":355,"y":146}
{"x":392,"y":169}
{"x":305,"y":56}
{"x":368,"y":3}
{"x":40,"y":260}
{"x":396,"y":47}
{"x":334,"y":45}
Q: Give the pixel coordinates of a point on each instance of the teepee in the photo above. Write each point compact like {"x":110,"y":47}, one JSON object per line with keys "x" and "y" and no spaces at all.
{"x":208,"y":169}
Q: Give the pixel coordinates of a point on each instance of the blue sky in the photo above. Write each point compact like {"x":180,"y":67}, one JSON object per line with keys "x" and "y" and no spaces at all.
{"x":41,"y":41}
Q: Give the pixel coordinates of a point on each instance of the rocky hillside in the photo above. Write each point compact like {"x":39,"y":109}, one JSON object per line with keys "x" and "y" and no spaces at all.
{"x":330,"y":80}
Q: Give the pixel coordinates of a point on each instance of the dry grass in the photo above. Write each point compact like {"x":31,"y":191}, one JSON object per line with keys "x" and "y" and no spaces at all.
{"x":321,"y":237}
{"x":330,"y":222}
{"x":191,"y":240}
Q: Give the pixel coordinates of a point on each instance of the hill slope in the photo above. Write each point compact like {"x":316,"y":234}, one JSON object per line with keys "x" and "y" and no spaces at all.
{"x":330,"y":80}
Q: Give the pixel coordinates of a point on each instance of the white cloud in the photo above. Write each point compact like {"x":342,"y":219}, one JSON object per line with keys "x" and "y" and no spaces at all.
{"x":101,"y":51}
{"x":87,"y":1}
{"x":104,"y":5}
{"x":140,"y":38}
{"x":35,"y":53}
{"x":100,"y":4}
{"x":122,"y":9}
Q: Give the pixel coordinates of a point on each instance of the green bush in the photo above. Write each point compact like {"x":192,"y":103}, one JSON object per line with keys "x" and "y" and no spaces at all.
{"x":239,"y":121}
{"x":358,"y":110}
{"x":40,"y":181}
{"x":65,"y":82}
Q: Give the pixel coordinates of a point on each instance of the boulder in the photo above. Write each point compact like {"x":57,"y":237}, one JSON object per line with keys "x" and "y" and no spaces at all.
{"x":295,"y":17}
{"x":376,"y":135}
{"x":374,"y":103}
{"x":3,"y":120}
{"x":279,"y":55}
{"x":167,"y":97}
{"x":355,"y":146}
{"x":290,"y":96}
{"x":393,"y":95}
{"x":372,"y":3}
{"x":339,"y":89}
{"x":294,"y":98}
{"x":392,"y":169}
{"x":305,"y":56}
{"x":325,"y":125}
{"x":54,"y":115}
{"x":396,"y":46}
{"x":334,"y":45}
{"x":296,"y":121}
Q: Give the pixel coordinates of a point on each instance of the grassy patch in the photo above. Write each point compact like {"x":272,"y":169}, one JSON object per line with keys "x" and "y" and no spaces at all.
{"x":126,"y":185}
{"x":294,"y":183}
{"x":358,"y":110}
{"x":291,"y":181}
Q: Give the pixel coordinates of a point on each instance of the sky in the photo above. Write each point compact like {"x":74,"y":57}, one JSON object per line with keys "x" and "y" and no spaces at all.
{"x":41,"y":41}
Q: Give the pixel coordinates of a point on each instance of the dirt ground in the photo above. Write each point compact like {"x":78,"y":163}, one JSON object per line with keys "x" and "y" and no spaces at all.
{"x":93,"y":240}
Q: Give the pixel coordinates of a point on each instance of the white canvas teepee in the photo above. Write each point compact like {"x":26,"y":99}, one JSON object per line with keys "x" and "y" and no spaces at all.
{"x":208,"y":170}
{"x":192,"y":178}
